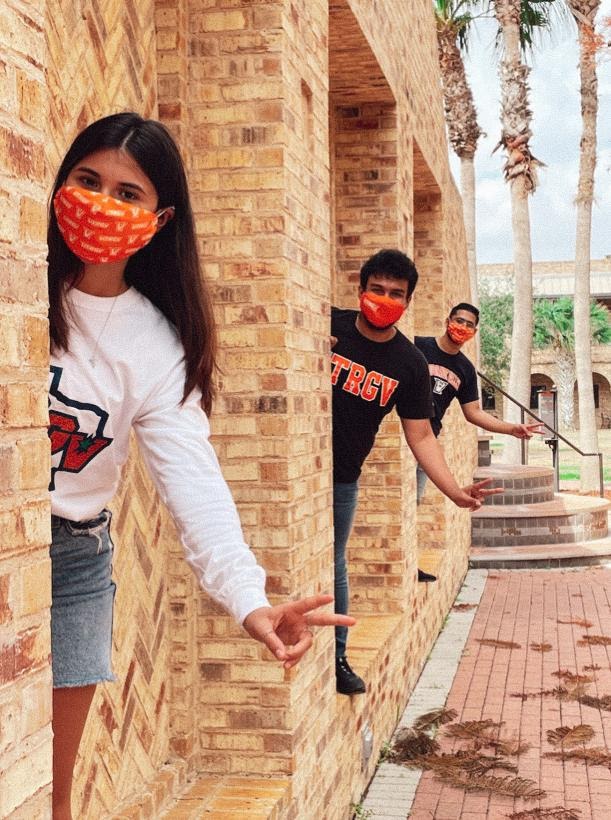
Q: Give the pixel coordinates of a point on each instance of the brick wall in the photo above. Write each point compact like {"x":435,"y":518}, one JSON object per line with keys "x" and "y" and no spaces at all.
{"x":313,"y":135}
{"x":25,"y":694}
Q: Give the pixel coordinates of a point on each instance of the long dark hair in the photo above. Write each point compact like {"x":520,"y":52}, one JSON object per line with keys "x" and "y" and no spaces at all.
{"x":167,"y":270}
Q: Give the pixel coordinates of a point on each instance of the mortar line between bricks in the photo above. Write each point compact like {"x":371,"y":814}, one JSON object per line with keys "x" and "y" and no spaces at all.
{"x":520,"y":582}
{"x":599,"y":618}
{"x":595,"y":681}
{"x":389,"y":796}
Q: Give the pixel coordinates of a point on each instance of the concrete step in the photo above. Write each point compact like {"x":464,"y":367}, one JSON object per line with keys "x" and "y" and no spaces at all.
{"x":565,"y":519}
{"x":543,"y":556}
{"x":520,"y":484}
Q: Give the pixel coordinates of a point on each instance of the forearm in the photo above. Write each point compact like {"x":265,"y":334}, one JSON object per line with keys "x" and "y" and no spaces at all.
{"x":488,"y":422}
{"x":429,"y":455}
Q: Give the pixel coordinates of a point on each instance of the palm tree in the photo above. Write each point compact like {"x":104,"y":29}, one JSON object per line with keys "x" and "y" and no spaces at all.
{"x":584,"y":12}
{"x":453,"y":20}
{"x":517,"y":20}
{"x":554,"y":326}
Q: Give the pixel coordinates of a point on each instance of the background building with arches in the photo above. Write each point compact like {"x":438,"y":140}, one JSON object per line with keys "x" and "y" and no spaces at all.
{"x":552,"y":280}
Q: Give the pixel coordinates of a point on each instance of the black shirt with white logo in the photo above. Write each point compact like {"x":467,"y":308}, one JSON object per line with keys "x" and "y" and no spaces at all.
{"x":452,"y":376}
{"x":370,"y":379}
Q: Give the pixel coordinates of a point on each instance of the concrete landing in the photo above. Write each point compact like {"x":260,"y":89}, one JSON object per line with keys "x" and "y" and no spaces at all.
{"x":543,"y":556}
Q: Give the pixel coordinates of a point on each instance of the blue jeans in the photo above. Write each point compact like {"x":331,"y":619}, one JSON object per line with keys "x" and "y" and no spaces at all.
{"x":83,"y":594}
{"x":421,"y":479}
{"x":345,"y":498}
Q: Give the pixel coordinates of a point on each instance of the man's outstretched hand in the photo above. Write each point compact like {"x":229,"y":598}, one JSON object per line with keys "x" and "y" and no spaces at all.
{"x":285,"y":629}
{"x":474,"y":494}
{"x":527,"y":430}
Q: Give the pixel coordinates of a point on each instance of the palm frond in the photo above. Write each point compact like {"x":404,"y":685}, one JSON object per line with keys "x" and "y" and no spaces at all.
{"x":567,"y":736}
{"x":552,"y":813}
{"x":435,"y":718}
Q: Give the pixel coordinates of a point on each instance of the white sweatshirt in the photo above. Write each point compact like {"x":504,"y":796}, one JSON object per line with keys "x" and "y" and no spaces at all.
{"x":137,"y":380}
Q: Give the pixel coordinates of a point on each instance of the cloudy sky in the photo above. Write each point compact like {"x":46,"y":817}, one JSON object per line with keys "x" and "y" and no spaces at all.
{"x":554,"y":99}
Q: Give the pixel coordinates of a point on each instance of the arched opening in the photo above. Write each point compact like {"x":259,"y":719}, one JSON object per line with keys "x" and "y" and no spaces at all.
{"x":602,"y":401}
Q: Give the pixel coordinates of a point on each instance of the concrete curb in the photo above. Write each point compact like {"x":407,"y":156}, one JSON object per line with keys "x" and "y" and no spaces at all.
{"x":391,"y":791}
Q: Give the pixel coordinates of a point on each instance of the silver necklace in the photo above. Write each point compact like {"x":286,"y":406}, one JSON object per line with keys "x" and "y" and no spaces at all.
{"x":92,"y":358}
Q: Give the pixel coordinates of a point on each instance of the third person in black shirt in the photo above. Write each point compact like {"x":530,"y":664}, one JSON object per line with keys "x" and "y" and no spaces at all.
{"x":453,"y":376}
{"x":375,"y":369}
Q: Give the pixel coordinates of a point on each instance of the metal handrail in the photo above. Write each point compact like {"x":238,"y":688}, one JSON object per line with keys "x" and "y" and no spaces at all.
{"x":558,"y":435}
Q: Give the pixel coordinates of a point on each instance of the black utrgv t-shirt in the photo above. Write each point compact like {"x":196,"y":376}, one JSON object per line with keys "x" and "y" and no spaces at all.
{"x":452,"y":376}
{"x":370,"y":379}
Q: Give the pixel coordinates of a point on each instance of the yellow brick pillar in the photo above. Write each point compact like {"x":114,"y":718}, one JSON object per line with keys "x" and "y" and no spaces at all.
{"x":25,"y":588}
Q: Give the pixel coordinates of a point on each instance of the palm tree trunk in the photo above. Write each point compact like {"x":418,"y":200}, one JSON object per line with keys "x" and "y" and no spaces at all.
{"x":520,"y":173}
{"x":588,"y":435}
{"x":467,"y":189}
{"x":566,"y":388}
{"x":521,"y":338}
{"x":463,"y":130}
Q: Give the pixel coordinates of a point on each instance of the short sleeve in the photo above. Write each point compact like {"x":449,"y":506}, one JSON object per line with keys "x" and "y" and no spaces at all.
{"x":468,"y":390}
{"x":415,"y":400}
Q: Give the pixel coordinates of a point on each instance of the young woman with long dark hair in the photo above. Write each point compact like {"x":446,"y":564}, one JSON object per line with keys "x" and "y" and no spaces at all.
{"x":133,"y":347}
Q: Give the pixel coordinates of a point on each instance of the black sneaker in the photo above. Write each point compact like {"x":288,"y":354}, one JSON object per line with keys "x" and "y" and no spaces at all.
{"x":347,"y":681}
{"x":426,"y":577}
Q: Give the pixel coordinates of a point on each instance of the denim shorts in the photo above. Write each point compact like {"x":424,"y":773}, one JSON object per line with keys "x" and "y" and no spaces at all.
{"x":82,"y":601}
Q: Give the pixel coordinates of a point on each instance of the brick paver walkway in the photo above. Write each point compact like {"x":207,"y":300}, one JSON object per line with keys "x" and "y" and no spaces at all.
{"x":526,"y":608}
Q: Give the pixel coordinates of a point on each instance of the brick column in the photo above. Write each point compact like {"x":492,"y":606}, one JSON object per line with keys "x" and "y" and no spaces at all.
{"x":25,"y":678}
{"x":258,"y":126}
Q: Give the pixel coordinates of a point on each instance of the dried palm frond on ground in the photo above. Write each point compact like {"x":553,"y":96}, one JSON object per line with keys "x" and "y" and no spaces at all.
{"x":466,"y":760}
{"x":485,"y":734}
{"x":435,"y":718}
{"x":499,"y":644}
{"x":555,"y":813}
{"x":474,"y":730}
{"x":603,"y":703}
{"x":594,"y":755}
{"x":412,"y":744}
{"x":541,"y":647}
{"x":476,"y":763}
{"x":463,"y":607}
{"x":513,"y":786}
{"x":567,"y":736}
{"x":571,"y":677}
{"x":594,"y":640}
{"x":576,"y":692}
{"x":577,"y":622}
{"x":510,"y":746}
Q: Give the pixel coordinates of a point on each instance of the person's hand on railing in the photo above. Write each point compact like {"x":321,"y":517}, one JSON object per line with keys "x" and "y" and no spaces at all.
{"x":528,"y":430}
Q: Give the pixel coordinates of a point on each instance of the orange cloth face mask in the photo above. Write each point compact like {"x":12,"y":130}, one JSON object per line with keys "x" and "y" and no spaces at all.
{"x":99,"y":228}
{"x":380,"y":311}
{"x":460,"y":333}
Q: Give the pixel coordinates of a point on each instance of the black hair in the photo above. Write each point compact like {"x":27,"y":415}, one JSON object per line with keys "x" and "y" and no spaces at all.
{"x":392,"y":263}
{"x":466,"y":306}
{"x":167,"y":270}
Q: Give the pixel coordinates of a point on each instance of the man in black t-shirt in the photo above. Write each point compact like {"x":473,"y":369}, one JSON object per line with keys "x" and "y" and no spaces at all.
{"x":375,"y":369}
{"x":453,"y":376}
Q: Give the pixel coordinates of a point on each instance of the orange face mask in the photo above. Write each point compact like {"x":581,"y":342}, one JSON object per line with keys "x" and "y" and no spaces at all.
{"x":99,"y":228}
{"x":380,"y":311}
{"x":460,"y":333}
